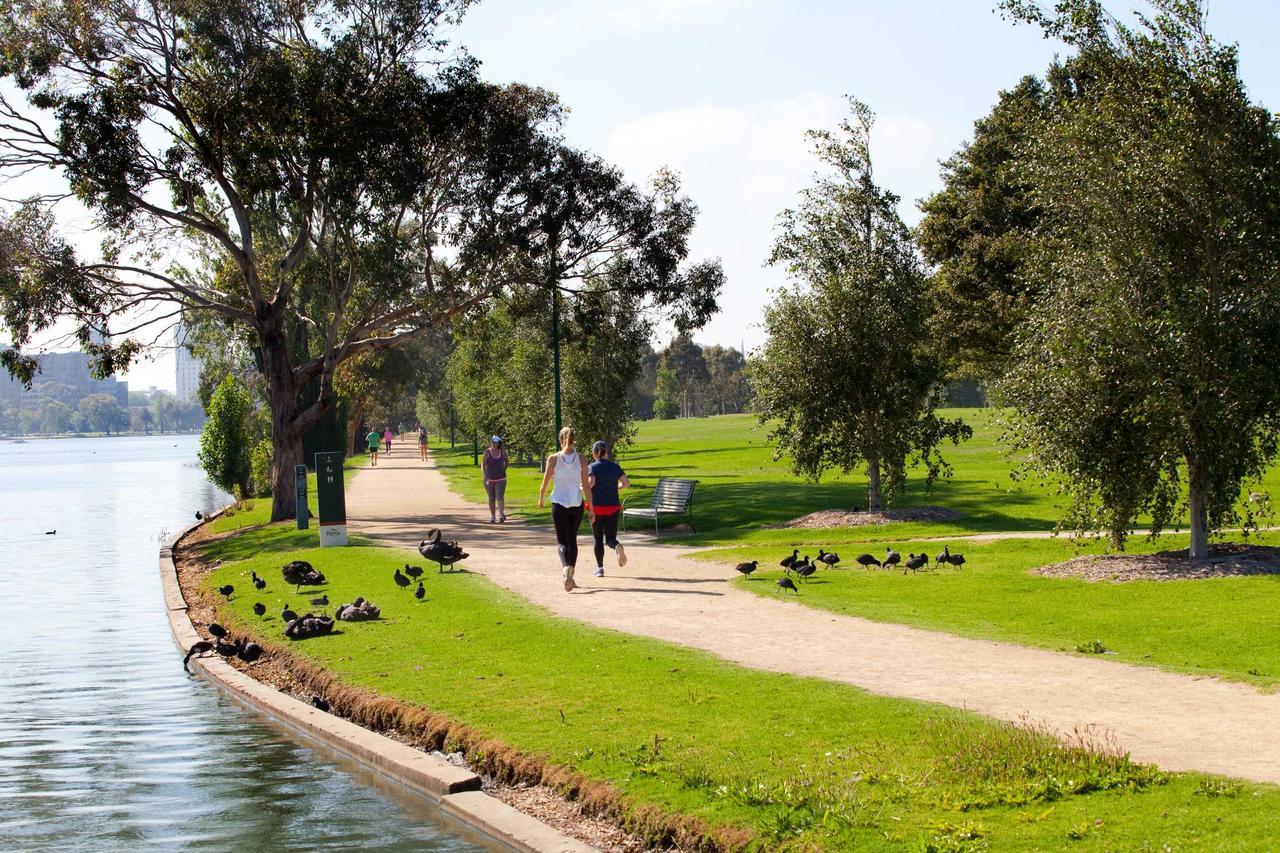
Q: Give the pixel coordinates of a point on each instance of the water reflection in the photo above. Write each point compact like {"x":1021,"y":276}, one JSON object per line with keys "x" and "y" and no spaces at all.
{"x":104,"y":742}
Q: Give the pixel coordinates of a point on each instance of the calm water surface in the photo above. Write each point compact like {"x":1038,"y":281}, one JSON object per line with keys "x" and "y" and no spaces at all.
{"x":104,"y":742}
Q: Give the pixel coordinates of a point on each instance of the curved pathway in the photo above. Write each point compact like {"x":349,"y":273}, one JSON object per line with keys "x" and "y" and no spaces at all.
{"x":1179,"y":722}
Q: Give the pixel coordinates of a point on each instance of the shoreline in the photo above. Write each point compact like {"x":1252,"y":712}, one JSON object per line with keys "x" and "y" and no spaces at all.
{"x":457,"y":791}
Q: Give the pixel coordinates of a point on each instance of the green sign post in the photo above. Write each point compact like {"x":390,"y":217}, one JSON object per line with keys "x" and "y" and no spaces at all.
{"x":300,"y":488}
{"x":332,"y":499}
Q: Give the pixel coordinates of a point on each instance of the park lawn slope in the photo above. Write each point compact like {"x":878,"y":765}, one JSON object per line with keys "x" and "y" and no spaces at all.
{"x":743,"y":492}
{"x":799,"y":762}
{"x":1220,"y":627}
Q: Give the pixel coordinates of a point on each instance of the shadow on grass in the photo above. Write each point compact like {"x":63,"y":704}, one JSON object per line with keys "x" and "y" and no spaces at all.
{"x":646,"y":589}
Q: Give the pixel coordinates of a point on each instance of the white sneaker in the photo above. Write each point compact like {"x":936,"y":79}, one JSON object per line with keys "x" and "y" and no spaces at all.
{"x":569,"y":585}
{"x":622,"y":555}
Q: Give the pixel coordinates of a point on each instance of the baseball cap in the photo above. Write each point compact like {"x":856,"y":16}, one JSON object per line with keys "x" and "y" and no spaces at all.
{"x":599,"y":445}
{"x":497,"y":439}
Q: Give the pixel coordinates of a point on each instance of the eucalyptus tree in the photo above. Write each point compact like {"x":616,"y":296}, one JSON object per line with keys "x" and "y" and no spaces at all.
{"x":846,"y":375}
{"x":1147,"y":370}
{"x":354,"y":180}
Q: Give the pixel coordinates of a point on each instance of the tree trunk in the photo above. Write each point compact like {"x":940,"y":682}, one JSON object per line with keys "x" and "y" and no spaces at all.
{"x":353,"y":427}
{"x":286,"y":439}
{"x":1199,"y":515}
{"x":873,"y":484}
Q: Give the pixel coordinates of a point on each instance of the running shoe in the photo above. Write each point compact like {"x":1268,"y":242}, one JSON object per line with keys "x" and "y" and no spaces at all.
{"x":569,"y":585}
{"x":599,"y":571}
{"x":622,"y":555}
{"x":502,"y":519}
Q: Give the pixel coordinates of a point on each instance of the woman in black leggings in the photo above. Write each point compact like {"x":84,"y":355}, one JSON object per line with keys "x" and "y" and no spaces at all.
{"x":569,"y":472}
{"x":605,"y":477}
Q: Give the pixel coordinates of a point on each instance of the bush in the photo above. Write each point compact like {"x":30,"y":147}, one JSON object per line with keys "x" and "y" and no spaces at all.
{"x":260,"y":467}
{"x":225,"y":442}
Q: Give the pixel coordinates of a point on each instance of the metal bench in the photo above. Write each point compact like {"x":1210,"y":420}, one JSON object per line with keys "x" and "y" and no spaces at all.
{"x":670,"y":497}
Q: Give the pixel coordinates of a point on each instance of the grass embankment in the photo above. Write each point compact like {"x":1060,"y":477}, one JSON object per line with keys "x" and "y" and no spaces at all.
{"x":797,"y":762}
{"x":1219,"y":627}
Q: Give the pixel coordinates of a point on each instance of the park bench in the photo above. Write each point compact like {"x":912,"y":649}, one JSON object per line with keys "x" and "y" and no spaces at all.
{"x":670,"y":497}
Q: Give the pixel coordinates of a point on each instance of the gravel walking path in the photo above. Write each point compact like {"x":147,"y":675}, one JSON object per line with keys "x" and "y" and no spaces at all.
{"x":1179,"y":722}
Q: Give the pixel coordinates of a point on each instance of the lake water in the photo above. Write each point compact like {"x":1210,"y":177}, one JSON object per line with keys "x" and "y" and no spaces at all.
{"x":105,"y":743}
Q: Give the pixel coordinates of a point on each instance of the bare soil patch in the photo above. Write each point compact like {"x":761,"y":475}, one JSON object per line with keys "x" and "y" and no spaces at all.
{"x":1228,"y":559}
{"x":856,"y":518}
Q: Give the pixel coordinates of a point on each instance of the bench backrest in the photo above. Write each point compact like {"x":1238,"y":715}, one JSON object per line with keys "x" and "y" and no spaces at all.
{"x":672,"y":495}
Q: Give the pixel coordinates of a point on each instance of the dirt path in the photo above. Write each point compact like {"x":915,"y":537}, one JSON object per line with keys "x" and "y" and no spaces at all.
{"x":1176,"y":721}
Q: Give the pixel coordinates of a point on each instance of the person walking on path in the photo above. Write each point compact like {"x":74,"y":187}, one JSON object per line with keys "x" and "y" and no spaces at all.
{"x":386,"y":436}
{"x":373,"y":441}
{"x":569,"y":471}
{"x":604,"y":478}
{"x":495,"y":479}
{"x":422,"y":443}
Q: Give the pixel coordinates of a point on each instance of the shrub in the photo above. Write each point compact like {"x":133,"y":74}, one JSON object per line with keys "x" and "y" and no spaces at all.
{"x":224,"y":441}
{"x":260,"y":468}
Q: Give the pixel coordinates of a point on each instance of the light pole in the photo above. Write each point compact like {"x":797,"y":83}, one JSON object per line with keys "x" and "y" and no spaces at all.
{"x":555,"y":352}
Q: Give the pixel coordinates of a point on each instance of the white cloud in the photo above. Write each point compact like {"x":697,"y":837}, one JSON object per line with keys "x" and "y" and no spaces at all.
{"x":743,"y":165}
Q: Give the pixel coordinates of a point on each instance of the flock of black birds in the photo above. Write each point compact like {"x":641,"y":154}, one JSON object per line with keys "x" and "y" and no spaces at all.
{"x":300,"y":573}
{"x":803,"y":569}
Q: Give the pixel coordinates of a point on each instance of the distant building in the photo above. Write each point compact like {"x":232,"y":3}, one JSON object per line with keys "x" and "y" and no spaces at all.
{"x":188,"y":367}
{"x":69,"y":369}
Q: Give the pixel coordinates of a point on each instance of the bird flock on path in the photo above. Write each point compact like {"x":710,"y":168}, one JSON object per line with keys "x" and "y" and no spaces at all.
{"x":300,"y":573}
{"x":795,"y":567}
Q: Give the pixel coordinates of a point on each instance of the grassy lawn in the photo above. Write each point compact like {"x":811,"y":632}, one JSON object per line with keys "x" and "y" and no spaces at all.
{"x":1222,"y":626}
{"x":742,"y":490}
{"x":801,"y":762}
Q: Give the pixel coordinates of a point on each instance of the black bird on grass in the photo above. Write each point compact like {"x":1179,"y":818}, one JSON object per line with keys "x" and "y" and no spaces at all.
{"x":747,"y":568}
{"x":227,"y":649}
{"x":787,"y":583}
{"x":944,"y":557}
{"x":419,"y":592}
{"x":249,"y":652}
{"x":322,"y":601}
{"x":866,"y":561}
{"x":805,"y":569}
{"x":891,"y":558}
{"x":197,"y":649}
{"x":259,"y":584}
{"x":217,"y":630}
{"x":259,"y":609}
{"x":413,"y":571}
{"x":831,"y":558}
{"x":788,"y":562}
{"x":287,"y":615}
{"x":916,"y":563}
{"x":317,"y":702}
{"x":226,"y":591}
{"x":957,"y":560}
{"x":401,"y":581}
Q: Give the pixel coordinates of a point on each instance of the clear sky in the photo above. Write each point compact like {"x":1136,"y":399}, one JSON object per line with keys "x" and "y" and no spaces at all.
{"x":723,"y":90}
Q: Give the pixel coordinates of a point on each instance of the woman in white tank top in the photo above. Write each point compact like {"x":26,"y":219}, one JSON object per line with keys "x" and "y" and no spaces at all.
{"x":566,"y":471}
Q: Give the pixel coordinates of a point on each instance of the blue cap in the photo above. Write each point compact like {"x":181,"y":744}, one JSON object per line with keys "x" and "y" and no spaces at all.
{"x":497,"y":439}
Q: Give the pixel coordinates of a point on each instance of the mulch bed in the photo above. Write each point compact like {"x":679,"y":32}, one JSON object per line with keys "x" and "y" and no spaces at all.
{"x":1229,"y":559}
{"x":855,"y":518}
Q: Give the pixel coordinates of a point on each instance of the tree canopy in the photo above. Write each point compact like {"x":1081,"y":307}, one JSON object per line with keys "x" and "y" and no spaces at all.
{"x":1148,"y":366}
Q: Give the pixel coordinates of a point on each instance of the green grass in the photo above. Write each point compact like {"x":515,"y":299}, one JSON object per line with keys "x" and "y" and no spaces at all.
{"x":802,"y":762}
{"x":742,"y":490}
{"x":257,"y":511}
{"x":1222,"y":626}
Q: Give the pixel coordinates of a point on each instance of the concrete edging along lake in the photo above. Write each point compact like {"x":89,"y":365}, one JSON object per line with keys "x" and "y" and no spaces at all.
{"x":455,"y":789}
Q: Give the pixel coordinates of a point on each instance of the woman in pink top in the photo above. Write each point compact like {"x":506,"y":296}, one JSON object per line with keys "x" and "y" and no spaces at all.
{"x":386,"y":437}
{"x":494,"y":466}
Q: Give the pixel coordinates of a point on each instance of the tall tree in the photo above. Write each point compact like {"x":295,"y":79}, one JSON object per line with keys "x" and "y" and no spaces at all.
{"x":684,"y":358}
{"x":1149,"y":364}
{"x":351,"y":179}
{"x":846,"y":375}
{"x":976,"y":230}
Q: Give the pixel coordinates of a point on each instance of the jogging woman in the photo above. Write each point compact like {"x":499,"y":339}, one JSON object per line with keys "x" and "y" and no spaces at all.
{"x":422,"y":443}
{"x":386,"y":436}
{"x":605,"y":477}
{"x":373,"y":441}
{"x":569,"y":471}
{"x":495,"y":479}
